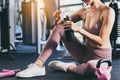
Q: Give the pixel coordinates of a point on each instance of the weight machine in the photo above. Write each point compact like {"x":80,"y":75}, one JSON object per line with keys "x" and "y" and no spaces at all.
{"x":4,"y":28}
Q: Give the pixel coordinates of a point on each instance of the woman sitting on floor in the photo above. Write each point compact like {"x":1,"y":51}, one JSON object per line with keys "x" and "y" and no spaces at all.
{"x":98,"y":21}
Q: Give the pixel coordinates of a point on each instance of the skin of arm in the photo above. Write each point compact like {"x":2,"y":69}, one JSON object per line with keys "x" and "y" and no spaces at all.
{"x":78,"y":15}
{"x":107,"y":17}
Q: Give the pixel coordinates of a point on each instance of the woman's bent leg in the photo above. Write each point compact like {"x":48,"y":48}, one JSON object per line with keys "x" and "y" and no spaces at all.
{"x":37,"y":68}
{"x":74,"y":47}
{"x":50,"y":45}
{"x":87,"y":68}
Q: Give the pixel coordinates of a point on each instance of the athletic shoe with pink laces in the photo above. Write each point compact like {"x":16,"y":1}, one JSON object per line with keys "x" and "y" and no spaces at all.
{"x":58,"y":65}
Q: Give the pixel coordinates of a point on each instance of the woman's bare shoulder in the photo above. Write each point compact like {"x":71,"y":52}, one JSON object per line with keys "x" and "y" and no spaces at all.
{"x":82,"y":11}
{"x":107,"y":10}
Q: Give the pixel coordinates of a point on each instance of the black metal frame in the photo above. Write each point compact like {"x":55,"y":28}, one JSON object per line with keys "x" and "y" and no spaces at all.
{"x":4,"y":26}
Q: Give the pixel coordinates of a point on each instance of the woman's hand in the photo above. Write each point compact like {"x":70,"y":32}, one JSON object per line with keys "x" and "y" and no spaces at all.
{"x":56,"y":15}
{"x":69,"y":25}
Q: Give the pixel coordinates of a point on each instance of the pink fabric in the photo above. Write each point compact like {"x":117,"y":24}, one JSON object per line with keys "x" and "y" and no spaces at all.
{"x":82,"y":53}
{"x":95,"y":30}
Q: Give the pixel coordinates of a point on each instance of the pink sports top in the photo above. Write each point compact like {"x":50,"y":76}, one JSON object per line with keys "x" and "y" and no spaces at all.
{"x":96,"y":29}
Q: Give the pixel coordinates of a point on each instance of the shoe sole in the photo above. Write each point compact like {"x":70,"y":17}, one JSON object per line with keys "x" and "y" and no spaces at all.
{"x":31,"y":76}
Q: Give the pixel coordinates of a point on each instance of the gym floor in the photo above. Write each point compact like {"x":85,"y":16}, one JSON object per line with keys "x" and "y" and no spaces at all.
{"x":22,"y":59}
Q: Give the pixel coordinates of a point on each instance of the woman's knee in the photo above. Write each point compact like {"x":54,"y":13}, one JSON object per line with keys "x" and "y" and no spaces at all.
{"x":87,"y":69}
{"x":59,"y":27}
{"x":91,"y":68}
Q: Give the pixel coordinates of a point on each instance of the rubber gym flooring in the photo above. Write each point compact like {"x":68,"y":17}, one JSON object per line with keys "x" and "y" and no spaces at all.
{"x":23,"y":59}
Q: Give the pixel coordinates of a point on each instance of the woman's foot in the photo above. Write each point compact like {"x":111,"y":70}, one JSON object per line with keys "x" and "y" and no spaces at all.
{"x":58,"y":65}
{"x":33,"y":70}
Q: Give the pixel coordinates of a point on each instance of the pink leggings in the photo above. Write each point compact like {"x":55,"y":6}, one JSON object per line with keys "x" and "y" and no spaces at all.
{"x":86,"y":55}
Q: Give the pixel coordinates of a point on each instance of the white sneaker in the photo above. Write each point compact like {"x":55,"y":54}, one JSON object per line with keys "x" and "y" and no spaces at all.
{"x":32,"y":71}
{"x":58,"y":65}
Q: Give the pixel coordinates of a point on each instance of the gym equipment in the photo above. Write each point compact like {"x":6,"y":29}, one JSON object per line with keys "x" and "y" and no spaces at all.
{"x":8,"y":73}
{"x":4,"y":28}
{"x":29,"y":20}
{"x":103,"y":75}
{"x":69,"y":34}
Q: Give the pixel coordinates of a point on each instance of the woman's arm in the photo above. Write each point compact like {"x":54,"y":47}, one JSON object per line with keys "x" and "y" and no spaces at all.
{"x":75,"y":17}
{"x":108,"y":17}
{"x":78,"y":15}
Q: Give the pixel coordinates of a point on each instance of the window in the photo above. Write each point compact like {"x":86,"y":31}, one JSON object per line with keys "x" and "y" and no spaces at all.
{"x":66,"y":2}
{"x":68,"y":7}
